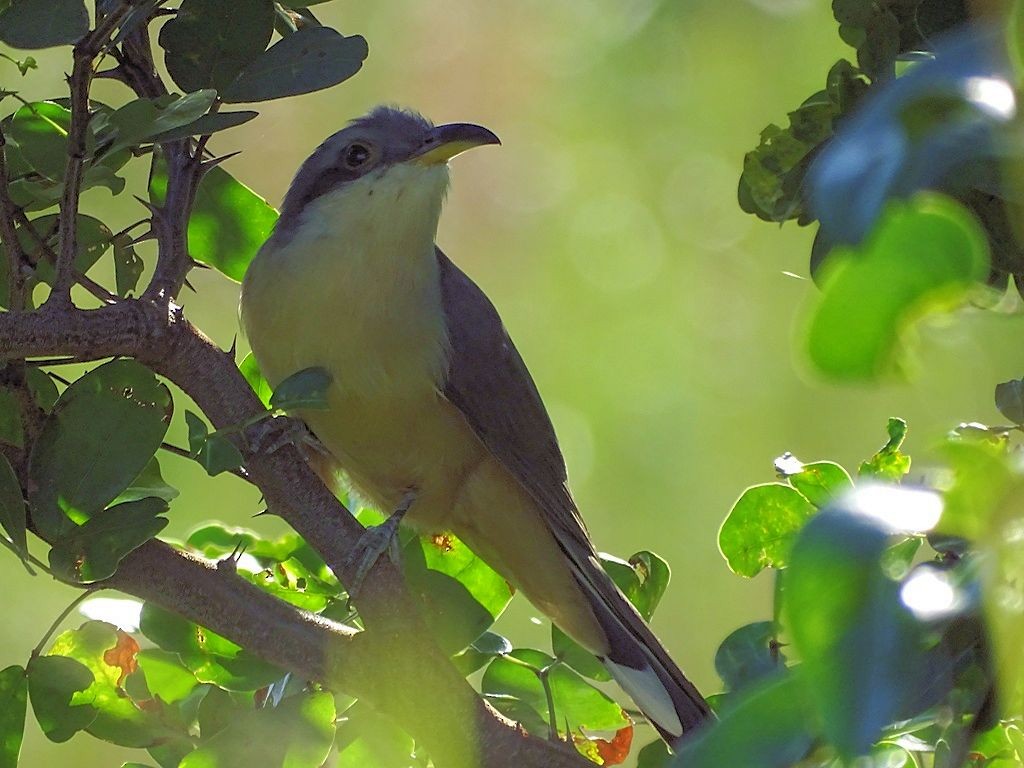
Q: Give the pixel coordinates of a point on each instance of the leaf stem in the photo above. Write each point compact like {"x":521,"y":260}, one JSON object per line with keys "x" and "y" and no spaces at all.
{"x":59,"y":620}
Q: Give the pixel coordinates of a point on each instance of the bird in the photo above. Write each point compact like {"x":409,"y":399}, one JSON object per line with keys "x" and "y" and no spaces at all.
{"x":431,"y":411}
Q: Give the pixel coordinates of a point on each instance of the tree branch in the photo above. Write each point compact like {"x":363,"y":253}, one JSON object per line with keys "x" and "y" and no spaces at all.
{"x":85,"y":52}
{"x":399,"y":671}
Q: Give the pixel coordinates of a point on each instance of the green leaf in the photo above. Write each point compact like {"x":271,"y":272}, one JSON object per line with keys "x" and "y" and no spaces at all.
{"x":92,"y":236}
{"x":897,"y":559}
{"x":923,"y":256}
{"x":370,"y":740}
{"x":40,"y":130}
{"x":305,"y":389}
{"x":207,"y":124}
{"x":770,"y":727}
{"x":109,"y":655}
{"x":1010,"y":400}
{"x":889,"y":463}
{"x":821,"y":481}
{"x":32,"y":24}
{"x":139,"y":121}
{"x":13,"y":701}
{"x":208,"y":42}
{"x":13,"y":515}
{"x":11,"y":430}
{"x":53,"y":682}
{"x":308,"y":60}
{"x":44,"y":391}
{"x":462,"y":595}
{"x":229,"y":221}
{"x":298,"y":733}
{"x":149,"y":483}
{"x":209,"y":656}
{"x":654,"y":755}
{"x":91,"y":552}
{"x":128,"y":267}
{"x":576,"y":701}
{"x":166,"y":677}
{"x":761,"y":526}
{"x":983,"y":478}
{"x":862,"y":653}
{"x":102,"y":433}
{"x":749,"y":654}
{"x":251,"y":371}
{"x":213,"y":451}
{"x":574,"y":655}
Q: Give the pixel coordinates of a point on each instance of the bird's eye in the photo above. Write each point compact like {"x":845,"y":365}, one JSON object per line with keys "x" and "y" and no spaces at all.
{"x":356,"y":155}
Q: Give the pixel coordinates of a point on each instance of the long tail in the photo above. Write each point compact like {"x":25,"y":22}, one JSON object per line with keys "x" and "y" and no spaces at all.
{"x":637,"y":659}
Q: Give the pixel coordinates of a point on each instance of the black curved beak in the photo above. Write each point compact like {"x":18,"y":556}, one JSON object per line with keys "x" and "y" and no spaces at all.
{"x":444,"y":142}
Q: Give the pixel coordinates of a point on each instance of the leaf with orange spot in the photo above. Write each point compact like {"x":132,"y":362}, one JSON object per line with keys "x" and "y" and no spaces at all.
{"x":616,"y":751}
{"x":588,"y":748}
{"x":122,"y":655}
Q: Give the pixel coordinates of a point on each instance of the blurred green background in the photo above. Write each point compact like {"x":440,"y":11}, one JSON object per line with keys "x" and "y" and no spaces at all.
{"x":657,"y":318}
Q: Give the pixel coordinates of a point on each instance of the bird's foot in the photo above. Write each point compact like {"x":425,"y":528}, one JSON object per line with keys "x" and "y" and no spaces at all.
{"x":271,"y":435}
{"x":375,"y":541}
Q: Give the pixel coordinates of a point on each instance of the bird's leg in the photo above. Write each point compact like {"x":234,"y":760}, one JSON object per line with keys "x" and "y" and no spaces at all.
{"x":270,"y":435}
{"x":377,"y":540}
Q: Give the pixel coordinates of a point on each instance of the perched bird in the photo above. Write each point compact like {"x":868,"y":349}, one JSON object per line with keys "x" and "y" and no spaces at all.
{"x":431,"y":408}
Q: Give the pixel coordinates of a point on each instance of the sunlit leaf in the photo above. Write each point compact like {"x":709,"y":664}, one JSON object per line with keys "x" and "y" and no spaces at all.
{"x":370,"y":740}
{"x":208,"y":42}
{"x":102,"y":433}
{"x":923,"y":257}
{"x":298,"y":733}
{"x":13,"y":701}
{"x":251,"y":371}
{"x":576,"y":701}
{"x":229,"y":221}
{"x":761,"y":527}
{"x":310,"y":59}
{"x":43,"y":23}
{"x":103,"y":650}
{"x":166,"y":677}
{"x":889,"y":463}
{"x":821,"y":481}
{"x":305,"y":389}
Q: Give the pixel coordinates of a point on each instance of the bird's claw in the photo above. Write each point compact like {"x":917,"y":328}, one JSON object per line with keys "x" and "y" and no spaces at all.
{"x":374,"y":542}
{"x":271,"y":435}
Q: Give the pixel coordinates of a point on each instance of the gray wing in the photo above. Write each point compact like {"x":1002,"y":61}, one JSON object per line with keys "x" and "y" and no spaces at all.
{"x":489,"y":383}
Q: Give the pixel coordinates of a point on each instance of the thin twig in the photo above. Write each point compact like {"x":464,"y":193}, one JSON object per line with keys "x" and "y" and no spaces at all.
{"x":15,"y":253}
{"x":177,"y":450}
{"x":85,"y":52}
{"x":97,"y":290}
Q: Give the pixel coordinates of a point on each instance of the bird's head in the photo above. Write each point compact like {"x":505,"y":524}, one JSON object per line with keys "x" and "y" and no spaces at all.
{"x":396,"y":154}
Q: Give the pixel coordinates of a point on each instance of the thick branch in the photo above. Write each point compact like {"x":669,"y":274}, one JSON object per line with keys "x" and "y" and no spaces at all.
{"x":399,"y":671}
